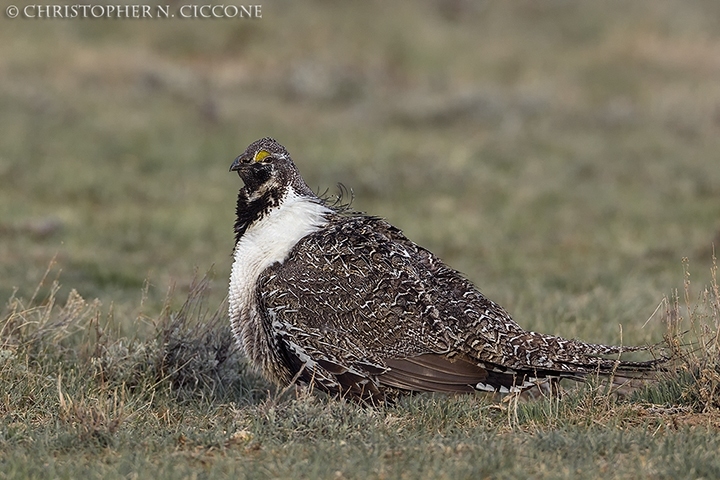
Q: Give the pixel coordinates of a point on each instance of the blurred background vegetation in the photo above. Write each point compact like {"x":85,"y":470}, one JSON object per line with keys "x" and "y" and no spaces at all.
{"x":563,"y":155}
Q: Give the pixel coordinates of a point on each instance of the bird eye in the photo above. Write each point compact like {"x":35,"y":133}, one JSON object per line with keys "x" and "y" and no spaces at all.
{"x":261,"y":155}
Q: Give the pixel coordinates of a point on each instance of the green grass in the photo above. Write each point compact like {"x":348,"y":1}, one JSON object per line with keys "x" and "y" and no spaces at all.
{"x":563,"y":156}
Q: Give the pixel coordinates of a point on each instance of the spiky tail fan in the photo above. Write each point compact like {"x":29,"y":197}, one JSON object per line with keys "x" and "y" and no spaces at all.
{"x":578,"y":360}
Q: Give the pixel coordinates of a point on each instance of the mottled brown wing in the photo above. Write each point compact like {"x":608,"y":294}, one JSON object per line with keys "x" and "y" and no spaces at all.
{"x":358,"y":309}
{"x":348,"y":301}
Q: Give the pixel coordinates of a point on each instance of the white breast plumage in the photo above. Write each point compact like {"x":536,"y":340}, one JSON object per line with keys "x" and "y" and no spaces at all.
{"x":265,"y":242}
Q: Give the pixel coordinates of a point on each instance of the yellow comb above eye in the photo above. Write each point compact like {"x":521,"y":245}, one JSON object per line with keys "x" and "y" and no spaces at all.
{"x":260,"y":155}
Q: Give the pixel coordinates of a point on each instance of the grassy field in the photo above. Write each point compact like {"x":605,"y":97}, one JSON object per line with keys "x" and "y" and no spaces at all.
{"x":563,"y":155}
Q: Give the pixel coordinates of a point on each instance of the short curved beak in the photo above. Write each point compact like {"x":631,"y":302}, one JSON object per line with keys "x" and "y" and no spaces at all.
{"x":237,"y":164}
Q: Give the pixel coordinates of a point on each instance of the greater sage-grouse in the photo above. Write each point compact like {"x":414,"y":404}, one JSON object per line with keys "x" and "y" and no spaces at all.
{"x":344,"y":301}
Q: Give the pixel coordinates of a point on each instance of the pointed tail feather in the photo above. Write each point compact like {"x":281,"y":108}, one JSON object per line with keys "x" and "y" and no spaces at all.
{"x":566,"y":357}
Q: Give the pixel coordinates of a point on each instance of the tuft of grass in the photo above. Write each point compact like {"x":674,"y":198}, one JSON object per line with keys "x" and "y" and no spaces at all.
{"x":199,"y":355}
{"x":694,"y":337}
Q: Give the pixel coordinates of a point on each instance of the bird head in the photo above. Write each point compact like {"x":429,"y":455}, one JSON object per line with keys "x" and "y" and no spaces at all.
{"x":266,"y":166}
